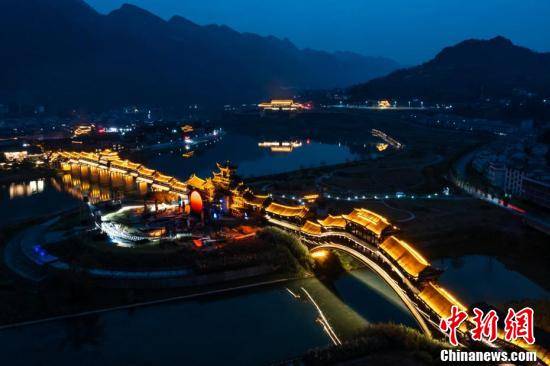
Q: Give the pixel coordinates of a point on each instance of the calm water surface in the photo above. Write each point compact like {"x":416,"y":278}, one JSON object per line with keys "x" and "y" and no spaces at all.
{"x":254,"y":327}
{"x":476,"y":278}
{"x":25,"y":200}
{"x":251,"y":159}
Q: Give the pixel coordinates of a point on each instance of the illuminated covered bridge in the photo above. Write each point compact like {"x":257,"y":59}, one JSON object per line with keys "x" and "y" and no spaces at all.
{"x":109,"y":162}
{"x":372,"y":239}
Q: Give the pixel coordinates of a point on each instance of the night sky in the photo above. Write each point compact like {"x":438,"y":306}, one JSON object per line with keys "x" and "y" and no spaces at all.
{"x":408,"y":31}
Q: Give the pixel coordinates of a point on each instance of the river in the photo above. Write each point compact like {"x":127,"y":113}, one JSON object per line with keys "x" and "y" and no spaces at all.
{"x":251,"y":327}
{"x":251,"y":159}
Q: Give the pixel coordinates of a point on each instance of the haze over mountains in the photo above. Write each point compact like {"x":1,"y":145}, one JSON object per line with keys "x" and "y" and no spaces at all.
{"x":64,"y":53}
{"x":468,"y":71}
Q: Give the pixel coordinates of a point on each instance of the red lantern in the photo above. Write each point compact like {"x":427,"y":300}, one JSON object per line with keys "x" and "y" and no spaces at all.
{"x":196,"y":202}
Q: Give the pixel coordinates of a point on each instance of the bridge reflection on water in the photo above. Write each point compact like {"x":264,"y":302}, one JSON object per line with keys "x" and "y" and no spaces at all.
{"x":98,"y":185}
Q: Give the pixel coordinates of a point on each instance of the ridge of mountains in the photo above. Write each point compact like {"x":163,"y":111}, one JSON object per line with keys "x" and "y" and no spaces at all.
{"x":64,"y":53}
{"x":470,"y":70}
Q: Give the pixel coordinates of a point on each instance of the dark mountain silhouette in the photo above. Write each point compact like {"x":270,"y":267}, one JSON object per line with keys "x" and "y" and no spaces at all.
{"x":62,"y":52}
{"x":468,"y":71}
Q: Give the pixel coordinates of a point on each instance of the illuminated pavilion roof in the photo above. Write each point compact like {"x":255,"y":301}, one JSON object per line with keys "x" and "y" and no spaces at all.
{"x":161,"y":178}
{"x":255,"y":199}
{"x":439,"y":300}
{"x":145,"y":171}
{"x":176,"y":184}
{"x":199,"y":183}
{"x":409,"y":259}
{"x":331,"y":222}
{"x":131,"y":165}
{"x":287,"y":211}
{"x":369,"y":220}
{"x":108,"y":154}
{"x":311,"y":228}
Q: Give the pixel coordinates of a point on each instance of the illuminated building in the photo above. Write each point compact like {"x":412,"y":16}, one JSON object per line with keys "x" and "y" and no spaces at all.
{"x":205,"y":186}
{"x":281,"y":105}
{"x":384,"y":103}
{"x":82,"y":130}
{"x":381,"y":146}
{"x":187,"y":129}
{"x":223,"y":178}
{"x":311,"y":198}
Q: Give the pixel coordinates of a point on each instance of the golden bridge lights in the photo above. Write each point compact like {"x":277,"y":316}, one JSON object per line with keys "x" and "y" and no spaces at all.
{"x":387,"y":139}
{"x":319,"y":254}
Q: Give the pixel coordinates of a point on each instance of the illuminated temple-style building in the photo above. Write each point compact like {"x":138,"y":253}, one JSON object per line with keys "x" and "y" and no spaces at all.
{"x":281,"y":105}
{"x":225,"y":176}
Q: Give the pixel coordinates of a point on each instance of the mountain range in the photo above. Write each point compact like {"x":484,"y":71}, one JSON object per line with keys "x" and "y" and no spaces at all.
{"x":64,"y":53}
{"x":468,"y":71}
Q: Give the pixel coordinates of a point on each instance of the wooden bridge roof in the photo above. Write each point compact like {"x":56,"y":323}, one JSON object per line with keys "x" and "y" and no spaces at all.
{"x":255,"y":199}
{"x":333,"y":222}
{"x":288,"y":211}
{"x":162,"y":178}
{"x":408,"y":258}
{"x":369,"y":220}
{"x":145,"y":171}
{"x":311,"y":228}
{"x":439,"y":300}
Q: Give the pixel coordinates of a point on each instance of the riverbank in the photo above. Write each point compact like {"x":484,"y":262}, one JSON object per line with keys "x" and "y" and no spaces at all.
{"x":380,"y":344}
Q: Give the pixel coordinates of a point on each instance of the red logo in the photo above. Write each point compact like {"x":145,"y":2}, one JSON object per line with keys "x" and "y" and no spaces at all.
{"x":452,"y":323}
{"x":485,"y":326}
{"x":519,"y":325}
